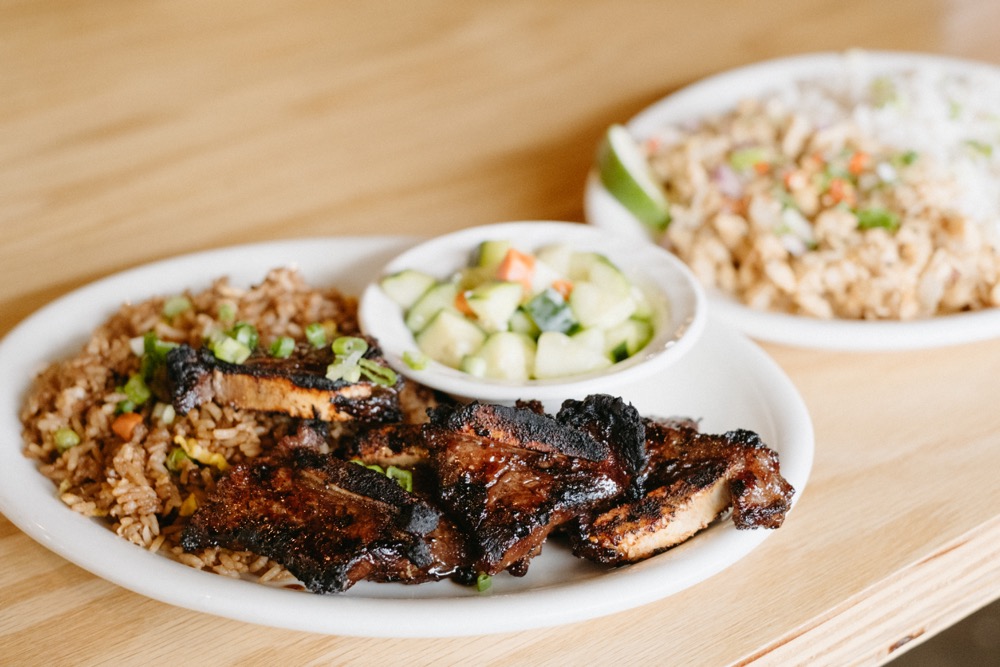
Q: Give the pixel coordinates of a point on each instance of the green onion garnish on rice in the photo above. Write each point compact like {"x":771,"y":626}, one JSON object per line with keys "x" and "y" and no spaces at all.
{"x":282,"y":347}
{"x":135,"y":390}
{"x":246,"y":334}
{"x":316,"y":334}
{"x":65,"y":438}
{"x":350,"y":345}
{"x":382,"y":375}
{"x":227,"y":312}
{"x":870,"y":218}
{"x":174,"y":306}
{"x":349,"y":365}
{"x":175,"y":458}
{"x":403,"y":477}
{"x":484,"y":582}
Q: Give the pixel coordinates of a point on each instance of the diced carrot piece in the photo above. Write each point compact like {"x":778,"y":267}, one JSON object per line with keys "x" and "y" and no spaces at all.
{"x":859,"y":162}
{"x":841,"y":191}
{"x":125,"y":423}
{"x":462,"y":304}
{"x":517,"y":267}
{"x":564,"y":287}
{"x":761,"y":167}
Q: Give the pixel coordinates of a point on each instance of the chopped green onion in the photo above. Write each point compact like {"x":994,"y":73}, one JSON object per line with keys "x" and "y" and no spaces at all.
{"x":980,"y":147}
{"x":316,"y":334}
{"x":343,"y":371}
{"x":382,"y":375}
{"x":124,"y":406}
{"x":743,"y":159}
{"x":883,"y":91}
{"x":164,"y":412}
{"x":282,"y":347}
{"x":65,"y":438}
{"x":246,"y":334}
{"x":870,"y":218}
{"x":136,"y":390}
{"x":350,"y":345}
{"x":227,"y":312}
{"x":153,"y":346}
{"x":175,"y":458}
{"x":904,"y":159}
{"x":371,"y":466}
{"x":403,"y":477}
{"x":230,"y":350}
{"x":415,"y":360}
{"x":483,"y":582}
{"x":175,"y":305}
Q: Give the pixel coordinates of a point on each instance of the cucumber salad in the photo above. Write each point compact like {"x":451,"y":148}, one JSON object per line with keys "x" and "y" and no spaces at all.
{"x":516,"y":315}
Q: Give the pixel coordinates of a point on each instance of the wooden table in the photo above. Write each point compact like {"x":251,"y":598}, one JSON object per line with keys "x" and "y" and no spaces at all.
{"x":132,"y":131}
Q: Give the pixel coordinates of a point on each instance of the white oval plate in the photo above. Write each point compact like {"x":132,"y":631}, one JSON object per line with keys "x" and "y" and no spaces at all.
{"x":677,"y":323}
{"x":719,"y":93}
{"x":725,"y":380}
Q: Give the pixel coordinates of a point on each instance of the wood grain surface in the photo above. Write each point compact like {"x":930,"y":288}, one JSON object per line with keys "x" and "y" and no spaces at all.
{"x":136,"y":130}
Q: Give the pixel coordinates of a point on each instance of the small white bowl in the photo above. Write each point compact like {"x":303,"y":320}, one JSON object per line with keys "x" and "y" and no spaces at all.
{"x":678,"y":303}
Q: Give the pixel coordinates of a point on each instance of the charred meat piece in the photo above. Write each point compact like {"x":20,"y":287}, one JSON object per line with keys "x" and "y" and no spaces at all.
{"x":616,"y":424}
{"x":330,"y":522}
{"x":691,"y":479}
{"x":510,"y":476}
{"x":296,"y":386}
{"x":399,"y":445}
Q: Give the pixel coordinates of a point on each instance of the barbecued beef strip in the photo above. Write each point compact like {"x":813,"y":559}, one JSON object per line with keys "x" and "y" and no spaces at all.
{"x":296,"y":386}
{"x":510,"y":476}
{"x":691,"y":479}
{"x":330,"y":522}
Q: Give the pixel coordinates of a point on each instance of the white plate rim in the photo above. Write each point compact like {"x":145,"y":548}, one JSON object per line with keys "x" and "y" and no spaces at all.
{"x":720,"y":91}
{"x":27,"y":499}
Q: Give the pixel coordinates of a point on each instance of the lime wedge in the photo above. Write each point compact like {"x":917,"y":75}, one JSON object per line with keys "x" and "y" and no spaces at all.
{"x":627,"y":175}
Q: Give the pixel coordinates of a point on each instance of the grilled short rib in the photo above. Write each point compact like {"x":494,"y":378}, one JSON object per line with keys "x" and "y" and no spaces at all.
{"x":296,"y":386}
{"x":510,"y":476}
{"x":330,"y":522}
{"x":690,"y":480}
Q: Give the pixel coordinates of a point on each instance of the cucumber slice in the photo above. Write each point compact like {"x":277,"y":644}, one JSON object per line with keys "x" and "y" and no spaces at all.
{"x":437,"y":298}
{"x":627,"y":338}
{"x":597,"y":307}
{"x":407,"y":286}
{"x":626,"y":174}
{"x":449,"y":337}
{"x":494,"y":303}
{"x":489,"y":254}
{"x":521,"y":322}
{"x":558,"y":355}
{"x":550,"y":312}
{"x":474,"y":276}
{"x":505,"y":355}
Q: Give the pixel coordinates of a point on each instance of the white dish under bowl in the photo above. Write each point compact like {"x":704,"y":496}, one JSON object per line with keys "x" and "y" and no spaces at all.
{"x":678,"y":303}
{"x":721,"y":92}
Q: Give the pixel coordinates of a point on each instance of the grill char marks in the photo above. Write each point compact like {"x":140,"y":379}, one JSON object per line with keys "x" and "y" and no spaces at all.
{"x":691,"y":479}
{"x":296,"y":386}
{"x":510,"y":476}
{"x":330,"y":522}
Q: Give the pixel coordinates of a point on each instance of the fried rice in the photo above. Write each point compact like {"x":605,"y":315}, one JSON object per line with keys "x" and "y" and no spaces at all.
{"x":139,"y":487}
{"x":858,"y":197}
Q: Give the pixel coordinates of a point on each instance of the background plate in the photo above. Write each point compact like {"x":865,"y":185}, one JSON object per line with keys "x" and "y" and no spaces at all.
{"x":721,"y":92}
